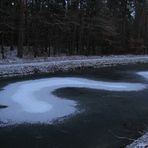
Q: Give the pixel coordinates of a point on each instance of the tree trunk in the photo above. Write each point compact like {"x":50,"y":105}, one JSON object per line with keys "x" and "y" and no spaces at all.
{"x":2,"y":48}
{"x":21,"y":29}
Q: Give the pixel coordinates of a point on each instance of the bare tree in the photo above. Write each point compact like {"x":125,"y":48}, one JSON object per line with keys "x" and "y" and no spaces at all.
{"x":21,"y":7}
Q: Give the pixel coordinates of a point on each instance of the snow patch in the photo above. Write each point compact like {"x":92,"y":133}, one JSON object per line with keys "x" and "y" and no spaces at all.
{"x":33,"y":100}
{"x":143,"y":74}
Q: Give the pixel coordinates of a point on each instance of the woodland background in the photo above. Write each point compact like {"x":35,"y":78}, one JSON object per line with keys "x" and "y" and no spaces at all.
{"x":74,"y":27}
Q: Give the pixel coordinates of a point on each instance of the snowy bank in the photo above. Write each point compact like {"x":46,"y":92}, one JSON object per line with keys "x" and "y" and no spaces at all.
{"x":142,"y":142}
{"x":63,"y":64}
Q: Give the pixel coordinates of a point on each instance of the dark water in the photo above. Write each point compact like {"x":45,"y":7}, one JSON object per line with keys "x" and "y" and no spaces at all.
{"x":108,"y":120}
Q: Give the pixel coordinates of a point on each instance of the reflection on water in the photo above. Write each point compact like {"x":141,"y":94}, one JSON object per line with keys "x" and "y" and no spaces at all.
{"x":112,"y":105}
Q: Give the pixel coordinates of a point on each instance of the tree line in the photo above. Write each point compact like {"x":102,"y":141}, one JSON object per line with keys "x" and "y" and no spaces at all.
{"x":74,"y":27}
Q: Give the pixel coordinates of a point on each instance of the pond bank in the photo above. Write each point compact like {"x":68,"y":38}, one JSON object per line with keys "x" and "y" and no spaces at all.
{"x":142,"y":142}
{"x":53,"y":65}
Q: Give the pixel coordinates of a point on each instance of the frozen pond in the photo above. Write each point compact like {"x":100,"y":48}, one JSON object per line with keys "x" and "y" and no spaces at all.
{"x":99,"y":105}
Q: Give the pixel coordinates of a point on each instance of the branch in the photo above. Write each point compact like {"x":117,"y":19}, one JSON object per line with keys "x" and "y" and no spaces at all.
{"x":120,"y":137}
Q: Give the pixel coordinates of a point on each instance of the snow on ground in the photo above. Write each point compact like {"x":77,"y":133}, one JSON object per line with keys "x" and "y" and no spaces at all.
{"x":12,"y":66}
{"x":56,"y":64}
{"x":142,"y":142}
{"x":143,"y":74}
{"x":33,"y":101}
{"x":11,"y":58}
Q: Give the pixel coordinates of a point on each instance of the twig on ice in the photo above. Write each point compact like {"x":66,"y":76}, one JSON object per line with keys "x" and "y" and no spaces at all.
{"x":121,"y":137}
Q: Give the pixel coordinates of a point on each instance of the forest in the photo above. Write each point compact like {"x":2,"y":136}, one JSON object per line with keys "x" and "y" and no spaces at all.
{"x":74,"y":27}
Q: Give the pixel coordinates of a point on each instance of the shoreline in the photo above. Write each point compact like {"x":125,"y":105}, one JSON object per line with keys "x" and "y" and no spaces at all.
{"x":53,"y":65}
{"x":141,"y":142}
